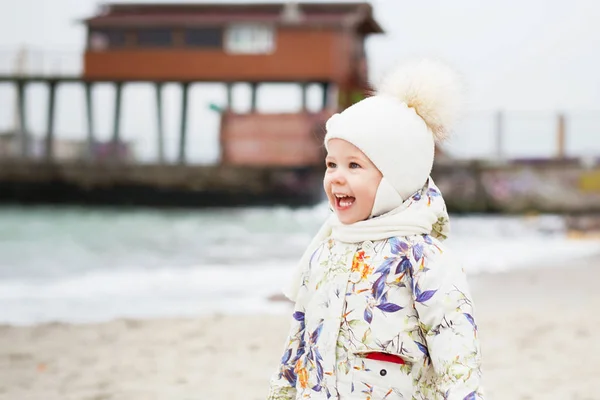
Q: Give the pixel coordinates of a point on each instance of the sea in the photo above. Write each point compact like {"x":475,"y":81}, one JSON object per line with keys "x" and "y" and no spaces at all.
{"x":87,"y":265}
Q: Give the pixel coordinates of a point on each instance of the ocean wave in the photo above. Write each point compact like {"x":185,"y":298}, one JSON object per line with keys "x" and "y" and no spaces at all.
{"x":82,"y":266}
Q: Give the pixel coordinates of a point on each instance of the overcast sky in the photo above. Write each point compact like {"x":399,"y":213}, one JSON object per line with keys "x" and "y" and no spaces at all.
{"x":514,"y":54}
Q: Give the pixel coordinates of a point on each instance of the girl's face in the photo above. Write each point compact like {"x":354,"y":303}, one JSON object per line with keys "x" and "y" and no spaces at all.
{"x":351,"y":181}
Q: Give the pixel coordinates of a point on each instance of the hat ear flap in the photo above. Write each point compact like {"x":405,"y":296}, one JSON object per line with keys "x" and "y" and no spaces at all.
{"x":386,"y":198}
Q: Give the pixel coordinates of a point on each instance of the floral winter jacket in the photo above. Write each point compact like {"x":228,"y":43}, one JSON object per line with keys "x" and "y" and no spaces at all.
{"x":403,"y":296}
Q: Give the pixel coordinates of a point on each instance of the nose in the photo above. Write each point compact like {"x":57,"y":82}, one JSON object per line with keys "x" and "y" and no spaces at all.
{"x":338,"y":177}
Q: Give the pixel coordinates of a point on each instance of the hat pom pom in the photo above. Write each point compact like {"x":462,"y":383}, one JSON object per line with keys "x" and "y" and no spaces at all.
{"x":432,"y":89}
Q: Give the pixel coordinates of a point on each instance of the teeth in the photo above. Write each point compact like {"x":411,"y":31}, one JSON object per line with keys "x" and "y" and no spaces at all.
{"x":345,"y":203}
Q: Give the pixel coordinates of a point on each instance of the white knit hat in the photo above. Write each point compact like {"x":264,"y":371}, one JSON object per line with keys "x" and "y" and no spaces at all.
{"x":397,"y":127}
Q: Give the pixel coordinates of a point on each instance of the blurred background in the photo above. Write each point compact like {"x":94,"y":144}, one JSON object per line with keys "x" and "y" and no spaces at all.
{"x":160,"y":176}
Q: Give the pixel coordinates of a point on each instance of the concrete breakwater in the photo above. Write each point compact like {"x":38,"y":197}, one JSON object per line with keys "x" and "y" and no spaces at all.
{"x":548,"y":186}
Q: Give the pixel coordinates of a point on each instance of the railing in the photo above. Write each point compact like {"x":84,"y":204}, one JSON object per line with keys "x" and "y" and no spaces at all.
{"x":27,"y":62}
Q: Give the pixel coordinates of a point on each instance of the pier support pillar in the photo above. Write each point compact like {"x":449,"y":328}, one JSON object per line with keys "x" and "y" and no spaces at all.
{"x":116,"y":139}
{"x":49,"y":150}
{"x":23,"y":133}
{"x":326,"y":87}
{"x":561,"y":137}
{"x":229,"y":91}
{"x":184,"y":109}
{"x":253,"y":96}
{"x":159,"y":122}
{"x":304,"y":96}
{"x":89,"y":88}
{"x":500,"y":135}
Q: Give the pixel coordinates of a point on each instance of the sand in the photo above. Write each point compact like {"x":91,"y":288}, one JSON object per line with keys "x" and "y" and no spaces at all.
{"x":538,"y":330}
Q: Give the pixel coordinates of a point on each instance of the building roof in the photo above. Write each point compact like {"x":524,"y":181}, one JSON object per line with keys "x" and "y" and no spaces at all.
{"x":358,"y":16}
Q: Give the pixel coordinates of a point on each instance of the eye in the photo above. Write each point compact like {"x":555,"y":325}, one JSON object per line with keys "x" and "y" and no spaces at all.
{"x":331,"y":164}
{"x":354,"y":165}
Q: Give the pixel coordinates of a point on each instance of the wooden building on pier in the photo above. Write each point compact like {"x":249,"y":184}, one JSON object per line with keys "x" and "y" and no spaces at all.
{"x":306,"y":44}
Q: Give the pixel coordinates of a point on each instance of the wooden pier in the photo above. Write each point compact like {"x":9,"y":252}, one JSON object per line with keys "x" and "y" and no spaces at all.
{"x":115,"y":181}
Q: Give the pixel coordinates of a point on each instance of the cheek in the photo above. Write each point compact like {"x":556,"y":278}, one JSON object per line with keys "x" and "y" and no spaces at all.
{"x":375,"y":186}
{"x":369,"y":184}
{"x":326,"y":183}
{"x":371,"y":189}
{"x":327,"y":186}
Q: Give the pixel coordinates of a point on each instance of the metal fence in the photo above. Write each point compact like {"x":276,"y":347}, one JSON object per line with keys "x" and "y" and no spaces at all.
{"x":505,"y":135}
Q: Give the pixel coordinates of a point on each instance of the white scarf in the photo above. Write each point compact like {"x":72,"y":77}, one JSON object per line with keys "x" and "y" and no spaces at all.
{"x":423,"y":213}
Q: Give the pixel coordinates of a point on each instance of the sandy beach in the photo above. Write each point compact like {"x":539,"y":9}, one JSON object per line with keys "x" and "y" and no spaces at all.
{"x":538,"y":330}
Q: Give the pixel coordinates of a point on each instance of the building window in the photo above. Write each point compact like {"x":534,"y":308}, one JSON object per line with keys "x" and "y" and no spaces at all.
{"x":250,"y":39}
{"x":155,"y":38}
{"x":204,"y":37}
{"x":105,"y":39}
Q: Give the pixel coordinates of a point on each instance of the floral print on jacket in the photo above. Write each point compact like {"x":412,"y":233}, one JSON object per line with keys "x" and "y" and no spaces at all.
{"x":404,"y":296}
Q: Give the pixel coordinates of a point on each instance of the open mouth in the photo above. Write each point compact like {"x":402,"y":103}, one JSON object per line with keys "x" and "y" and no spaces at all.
{"x":343,"y":202}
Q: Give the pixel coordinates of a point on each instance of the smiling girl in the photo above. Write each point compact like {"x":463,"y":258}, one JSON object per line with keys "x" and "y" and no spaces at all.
{"x":382,"y":310}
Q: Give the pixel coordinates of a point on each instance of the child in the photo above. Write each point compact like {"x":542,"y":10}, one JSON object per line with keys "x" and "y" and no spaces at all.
{"x":382,"y":311}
